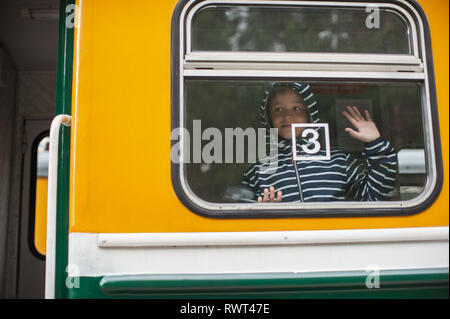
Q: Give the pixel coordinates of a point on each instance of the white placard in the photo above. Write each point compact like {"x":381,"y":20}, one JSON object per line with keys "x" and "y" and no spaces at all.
{"x":311,"y":129}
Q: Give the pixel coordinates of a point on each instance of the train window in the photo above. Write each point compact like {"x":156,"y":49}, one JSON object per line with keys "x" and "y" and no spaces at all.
{"x":350,"y":80}
{"x":39,"y":208}
{"x":299,"y":29}
{"x":223,"y":107}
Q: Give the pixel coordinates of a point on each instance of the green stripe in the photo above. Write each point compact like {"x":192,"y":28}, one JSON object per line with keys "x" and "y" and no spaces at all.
{"x":63,"y":106}
{"x":428,"y":283}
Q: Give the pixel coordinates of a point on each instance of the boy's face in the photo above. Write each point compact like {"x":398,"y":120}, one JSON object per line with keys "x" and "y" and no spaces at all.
{"x":288,"y":108}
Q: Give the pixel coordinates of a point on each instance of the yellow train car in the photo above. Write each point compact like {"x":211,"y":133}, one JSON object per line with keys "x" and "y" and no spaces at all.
{"x":159,"y":104}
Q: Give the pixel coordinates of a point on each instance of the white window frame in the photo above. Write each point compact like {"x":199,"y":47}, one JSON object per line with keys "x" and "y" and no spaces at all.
{"x":262,"y":65}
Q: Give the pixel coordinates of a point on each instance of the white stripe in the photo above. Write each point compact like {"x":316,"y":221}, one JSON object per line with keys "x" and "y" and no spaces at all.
{"x":380,"y":192}
{"x":279,"y":167}
{"x":276,"y":174}
{"x":377,"y":182}
{"x":388,"y":169}
{"x":383,"y":149}
{"x":324,"y":181}
{"x":305,"y":89}
{"x":323,"y":189}
{"x":327,"y":173}
{"x":380,"y":151}
{"x":310,"y":96}
{"x":327,"y":162}
{"x":251,"y":185}
{"x":326,"y":167}
{"x":324,"y":196}
{"x":312,"y":104}
{"x":364,"y":191}
{"x":382,"y":156}
{"x":291,"y":194}
{"x":375,"y":146}
{"x":292,"y":178}
{"x":337,"y":157}
{"x":251,"y":170}
{"x":384,"y":176}
{"x":279,"y":181}
{"x":286,"y":155}
{"x":355,"y":160}
{"x":288,"y":186}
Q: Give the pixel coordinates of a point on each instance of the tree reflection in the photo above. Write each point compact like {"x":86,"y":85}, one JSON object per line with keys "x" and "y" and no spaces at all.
{"x":297,"y":29}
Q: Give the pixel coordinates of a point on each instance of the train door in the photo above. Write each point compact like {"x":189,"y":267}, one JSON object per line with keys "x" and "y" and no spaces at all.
{"x":31,"y":261}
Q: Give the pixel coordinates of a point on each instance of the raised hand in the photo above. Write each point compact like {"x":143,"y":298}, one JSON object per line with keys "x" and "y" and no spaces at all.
{"x":366,"y":130}
{"x":269,"y":196}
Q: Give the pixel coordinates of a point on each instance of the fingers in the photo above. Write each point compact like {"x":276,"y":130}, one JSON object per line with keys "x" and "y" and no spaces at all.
{"x":272,"y":193}
{"x":353,"y":133}
{"x":354,"y":113}
{"x":269,"y":196}
{"x":367,"y":115}
{"x":351,"y":119}
{"x":266,"y":195}
{"x":280,"y":194}
{"x":358,"y":113}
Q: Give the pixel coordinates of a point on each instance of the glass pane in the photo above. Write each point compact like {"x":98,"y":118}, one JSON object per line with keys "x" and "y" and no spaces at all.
{"x":216,"y":175}
{"x":299,"y":29}
{"x":40,"y":227}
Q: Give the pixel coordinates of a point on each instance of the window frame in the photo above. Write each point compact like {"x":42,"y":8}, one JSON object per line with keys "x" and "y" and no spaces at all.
{"x":413,"y":43}
{"x":417,"y":68}
{"x":34,"y":175}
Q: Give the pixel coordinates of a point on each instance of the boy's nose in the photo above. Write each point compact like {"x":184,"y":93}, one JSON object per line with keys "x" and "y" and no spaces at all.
{"x":288,"y":115}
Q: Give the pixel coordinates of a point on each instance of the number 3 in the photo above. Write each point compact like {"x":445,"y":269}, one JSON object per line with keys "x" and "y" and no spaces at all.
{"x":313,"y":140}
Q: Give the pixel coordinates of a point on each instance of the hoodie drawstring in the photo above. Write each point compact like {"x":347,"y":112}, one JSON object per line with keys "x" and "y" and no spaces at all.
{"x":299,"y":184}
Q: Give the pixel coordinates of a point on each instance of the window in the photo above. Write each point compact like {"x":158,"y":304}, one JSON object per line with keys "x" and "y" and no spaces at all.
{"x":38,"y":201}
{"x":226,"y":54}
{"x":297,"y":29}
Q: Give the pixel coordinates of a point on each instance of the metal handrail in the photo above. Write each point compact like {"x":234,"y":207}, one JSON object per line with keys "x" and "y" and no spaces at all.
{"x":50,"y":264}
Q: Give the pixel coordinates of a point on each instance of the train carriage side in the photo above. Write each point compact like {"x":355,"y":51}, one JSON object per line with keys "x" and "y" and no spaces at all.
{"x":131,"y":221}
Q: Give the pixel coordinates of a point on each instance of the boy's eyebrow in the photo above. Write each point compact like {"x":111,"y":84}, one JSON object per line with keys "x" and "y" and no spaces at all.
{"x":301,"y":103}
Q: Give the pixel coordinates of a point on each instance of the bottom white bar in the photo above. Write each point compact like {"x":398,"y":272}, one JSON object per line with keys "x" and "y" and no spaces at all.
{"x":351,"y":252}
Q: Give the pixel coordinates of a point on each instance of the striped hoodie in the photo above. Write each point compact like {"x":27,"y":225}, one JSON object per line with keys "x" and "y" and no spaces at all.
{"x":343,"y":177}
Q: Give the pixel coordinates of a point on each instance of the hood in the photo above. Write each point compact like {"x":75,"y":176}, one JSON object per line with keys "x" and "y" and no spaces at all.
{"x":304,"y":90}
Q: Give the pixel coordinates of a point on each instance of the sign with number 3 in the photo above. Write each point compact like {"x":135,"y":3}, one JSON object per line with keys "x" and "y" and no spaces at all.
{"x":313,"y":148}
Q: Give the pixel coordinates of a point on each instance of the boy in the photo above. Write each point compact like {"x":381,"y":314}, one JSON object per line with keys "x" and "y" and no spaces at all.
{"x":342,"y":177}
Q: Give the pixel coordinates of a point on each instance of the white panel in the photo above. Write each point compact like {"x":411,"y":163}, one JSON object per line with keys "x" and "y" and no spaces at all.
{"x":399,"y":59}
{"x":313,"y":251}
{"x":324,"y":67}
{"x":304,"y":74}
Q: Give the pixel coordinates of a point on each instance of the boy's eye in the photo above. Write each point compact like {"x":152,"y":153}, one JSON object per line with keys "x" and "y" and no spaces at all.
{"x":299,"y":108}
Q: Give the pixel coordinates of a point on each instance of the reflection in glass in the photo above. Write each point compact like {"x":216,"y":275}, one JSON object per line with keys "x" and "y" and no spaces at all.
{"x":298,"y":29}
{"x":395,"y":108}
{"x":40,"y":230}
